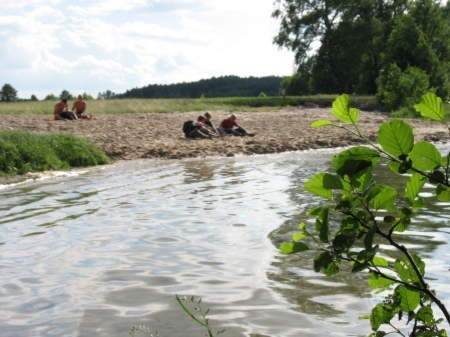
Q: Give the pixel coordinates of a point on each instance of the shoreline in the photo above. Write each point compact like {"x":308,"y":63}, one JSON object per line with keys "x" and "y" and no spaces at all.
{"x":159,"y":135}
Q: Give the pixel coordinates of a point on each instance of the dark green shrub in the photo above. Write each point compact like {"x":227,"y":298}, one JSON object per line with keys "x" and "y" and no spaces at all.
{"x":401,"y":89}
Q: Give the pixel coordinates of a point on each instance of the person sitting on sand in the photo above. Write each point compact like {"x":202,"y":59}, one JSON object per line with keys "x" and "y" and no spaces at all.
{"x":209,"y":124}
{"x":79,"y":107}
{"x":229,"y":127}
{"x":61,"y":111}
{"x":197,"y":129}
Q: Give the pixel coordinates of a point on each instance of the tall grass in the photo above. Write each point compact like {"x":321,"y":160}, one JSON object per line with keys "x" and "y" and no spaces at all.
{"x":186,"y":104}
{"x":22,"y":152}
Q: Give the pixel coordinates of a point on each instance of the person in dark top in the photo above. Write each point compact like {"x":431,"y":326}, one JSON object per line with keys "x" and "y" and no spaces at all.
{"x":209,"y":124}
{"x":197,"y":129}
{"x":230,"y":127}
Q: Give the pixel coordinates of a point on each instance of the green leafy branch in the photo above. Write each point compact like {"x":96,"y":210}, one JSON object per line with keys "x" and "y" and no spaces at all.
{"x":370,"y":213}
{"x":196,"y":313}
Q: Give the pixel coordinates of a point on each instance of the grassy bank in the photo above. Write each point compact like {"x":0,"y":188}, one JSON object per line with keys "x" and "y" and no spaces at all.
{"x":187,"y":104}
{"x":22,"y":152}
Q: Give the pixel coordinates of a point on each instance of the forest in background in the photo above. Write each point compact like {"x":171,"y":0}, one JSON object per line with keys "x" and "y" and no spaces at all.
{"x":223,"y":86}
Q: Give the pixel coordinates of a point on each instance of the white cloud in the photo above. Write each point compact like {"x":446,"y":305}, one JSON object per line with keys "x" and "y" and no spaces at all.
{"x":117,"y":45}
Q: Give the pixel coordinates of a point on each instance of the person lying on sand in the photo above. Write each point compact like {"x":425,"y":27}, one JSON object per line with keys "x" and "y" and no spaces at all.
{"x":62,"y":112}
{"x":229,"y":127}
{"x":79,"y":108}
{"x":197,"y":129}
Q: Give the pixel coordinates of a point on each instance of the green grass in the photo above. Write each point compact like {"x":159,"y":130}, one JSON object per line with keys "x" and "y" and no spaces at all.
{"x":186,"y":104}
{"x":22,"y":152}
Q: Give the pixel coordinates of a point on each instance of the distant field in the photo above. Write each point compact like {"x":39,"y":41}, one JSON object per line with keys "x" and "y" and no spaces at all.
{"x":186,"y":104}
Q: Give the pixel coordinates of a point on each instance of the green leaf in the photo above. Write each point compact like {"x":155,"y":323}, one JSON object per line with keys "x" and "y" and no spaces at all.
{"x":379,"y":282}
{"x":355,"y":160}
{"x":322,"y":184}
{"x":332,"y":182}
{"x":413,"y":186}
{"x":293,"y":247}
{"x":409,"y":299}
{"x":443,"y":193}
{"x":322,"y":225}
{"x":331,"y":269}
{"x":405,"y":270}
{"x":396,"y":137}
{"x":381,"y":314}
{"x":315,"y":186}
{"x":382,"y":197}
{"x":320,"y":123}
{"x":322,"y":261}
{"x":425,"y":314}
{"x":380,"y":261}
{"x":425,"y":156}
{"x":299,"y":236}
{"x":431,"y":106}
{"x":342,"y":111}
{"x":343,"y":242}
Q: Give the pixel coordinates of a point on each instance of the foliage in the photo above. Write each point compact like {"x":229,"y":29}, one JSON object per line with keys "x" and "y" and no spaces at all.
{"x":50,"y":97}
{"x":224,"y":86}
{"x":397,"y":88}
{"x":87,"y":97}
{"x":65,"y":94}
{"x":299,"y":83}
{"x":345,"y":45}
{"x":192,"y":307}
{"x":361,"y":214}
{"x":8,"y":93}
{"x":33,"y":98}
{"x":22,"y":152}
{"x":108,"y":94}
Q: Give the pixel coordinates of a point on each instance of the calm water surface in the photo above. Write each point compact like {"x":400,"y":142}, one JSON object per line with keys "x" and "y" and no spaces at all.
{"x":101,"y":250}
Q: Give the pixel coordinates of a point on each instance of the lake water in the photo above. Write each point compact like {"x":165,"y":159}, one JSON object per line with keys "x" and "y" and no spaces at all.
{"x":96,"y":252}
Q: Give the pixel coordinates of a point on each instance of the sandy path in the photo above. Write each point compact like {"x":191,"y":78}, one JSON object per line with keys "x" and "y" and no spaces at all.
{"x":159,"y":135}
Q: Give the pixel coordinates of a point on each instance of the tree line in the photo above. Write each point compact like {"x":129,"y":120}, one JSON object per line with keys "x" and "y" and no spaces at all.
{"x":396,"y":49}
{"x":223,"y":86}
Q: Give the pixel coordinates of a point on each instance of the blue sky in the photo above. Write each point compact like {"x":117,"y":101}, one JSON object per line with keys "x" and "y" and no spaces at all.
{"x":91,"y":46}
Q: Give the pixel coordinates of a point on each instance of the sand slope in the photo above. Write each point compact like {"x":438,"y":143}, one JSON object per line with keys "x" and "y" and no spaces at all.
{"x":159,"y":135}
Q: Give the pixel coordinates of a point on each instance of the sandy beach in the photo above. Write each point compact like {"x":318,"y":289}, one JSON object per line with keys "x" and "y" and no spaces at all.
{"x":159,"y":135}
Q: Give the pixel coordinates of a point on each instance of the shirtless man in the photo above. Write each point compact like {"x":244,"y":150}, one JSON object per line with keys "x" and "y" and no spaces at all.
{"x":61,"y":111}
{"x":79,"y":107}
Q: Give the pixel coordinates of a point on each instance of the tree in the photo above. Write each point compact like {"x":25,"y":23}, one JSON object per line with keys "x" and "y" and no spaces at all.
{"x":352,"y":41}
{"x":87,"y":97}
{"x":50,"y":97}
{"x":402,"y":89}
{"x":8,"y":93}
{"x":65,"y":94}
{"x":33,"y":98}
{"x":303,"y":22}
{"x":421,"y":39}
{"x":360,"y":214}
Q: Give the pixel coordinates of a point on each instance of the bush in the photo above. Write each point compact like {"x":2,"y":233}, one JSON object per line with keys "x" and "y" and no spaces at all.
{"x":401,"y":89}
{"x":22,"y":152}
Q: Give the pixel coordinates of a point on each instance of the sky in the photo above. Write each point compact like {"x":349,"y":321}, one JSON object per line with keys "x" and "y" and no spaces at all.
{"x":94,"y":45}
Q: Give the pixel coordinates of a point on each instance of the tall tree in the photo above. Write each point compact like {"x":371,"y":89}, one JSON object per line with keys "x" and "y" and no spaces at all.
{"x":303,"y":22}
{"x":8,"y":93}
{"x":65,"y":94}
{"x":421,"y":39}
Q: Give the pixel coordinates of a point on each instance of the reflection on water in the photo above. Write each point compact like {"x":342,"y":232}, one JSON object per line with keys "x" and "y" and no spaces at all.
{"x":94,"y":254}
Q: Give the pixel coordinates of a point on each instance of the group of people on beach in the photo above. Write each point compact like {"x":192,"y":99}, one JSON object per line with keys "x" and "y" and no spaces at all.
{"x":78,"y":111}
{"x":203,"y":128}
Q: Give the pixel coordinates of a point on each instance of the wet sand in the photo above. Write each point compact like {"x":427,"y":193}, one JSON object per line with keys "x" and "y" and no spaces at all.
{"x":159,"y":135}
